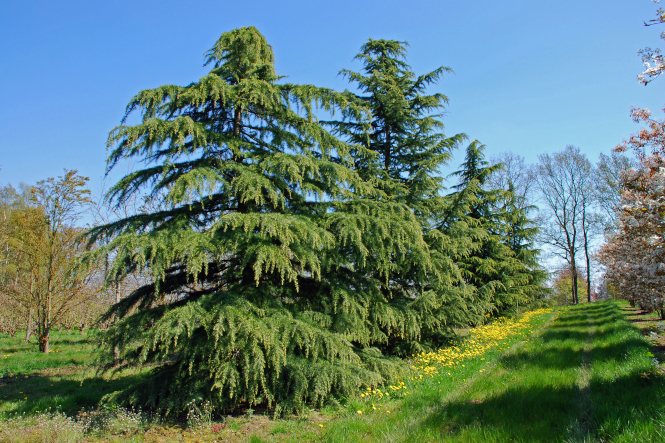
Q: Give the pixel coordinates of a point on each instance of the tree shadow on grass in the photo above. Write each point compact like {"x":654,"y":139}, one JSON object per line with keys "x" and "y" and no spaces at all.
{"x":532,"y":415}
{"x":626,"y":403}
{"x":548,"y":357}
{"x":592,"y":312}
{"x":561,"y":333}
{"x":565,"y":328}
{"x":72,"y":340}
{"x":58,"y":391}
{"x":613,"y":404}
{"x":549,"y":414}
{"x":545,"y":358}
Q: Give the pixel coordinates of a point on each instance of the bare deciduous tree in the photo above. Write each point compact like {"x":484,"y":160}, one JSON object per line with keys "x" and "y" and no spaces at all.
{"x":515,"y":172}
{"x":608,"y":185}
{"x":565,"y":181}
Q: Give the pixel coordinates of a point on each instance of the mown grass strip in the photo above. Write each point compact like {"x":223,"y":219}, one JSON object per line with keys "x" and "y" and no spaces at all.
{"x":456,"y":370}
{"x":583,"y":378}
{"x":625,"y":388}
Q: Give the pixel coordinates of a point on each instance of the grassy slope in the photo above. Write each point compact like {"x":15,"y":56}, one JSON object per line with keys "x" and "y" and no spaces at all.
{"x":585,"y":377}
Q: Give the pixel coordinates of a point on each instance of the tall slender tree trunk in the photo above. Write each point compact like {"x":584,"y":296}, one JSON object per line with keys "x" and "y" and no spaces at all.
{"x":237,"y":126}
{"x":585,"y":230}
{"x":116,"y":349}
{"x":387,"y":151}
{"x":42,"y":329}
{"x":44,"y":320}
{"x":588,"y":274}
{"x":44,"y":310}
{"x":28,"y":323}
{"x":573,"y":276}
{"x":237,"y":120}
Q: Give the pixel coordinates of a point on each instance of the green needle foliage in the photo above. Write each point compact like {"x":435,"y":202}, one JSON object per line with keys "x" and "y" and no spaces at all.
{"x":410,"y":149}
{"x":291,"y":261}
{"x":520,"y":235}
{"x":270,"y":253}
{"x":503,"y":264}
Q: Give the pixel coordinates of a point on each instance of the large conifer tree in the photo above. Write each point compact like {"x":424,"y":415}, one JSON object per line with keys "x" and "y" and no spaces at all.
{"x":270,"y":254}
{"x":290,"y":258}
{"x":410,"y":148}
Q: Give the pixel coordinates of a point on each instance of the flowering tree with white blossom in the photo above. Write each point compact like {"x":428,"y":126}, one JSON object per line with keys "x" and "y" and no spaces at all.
{"x":634,"y":256}
{"x":635,"y":253}
{"x":652,"y":58}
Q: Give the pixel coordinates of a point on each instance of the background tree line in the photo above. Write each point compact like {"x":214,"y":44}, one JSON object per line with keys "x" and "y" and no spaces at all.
{"x":575,"y":204}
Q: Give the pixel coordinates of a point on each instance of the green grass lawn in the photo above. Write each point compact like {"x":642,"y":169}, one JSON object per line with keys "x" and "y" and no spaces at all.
{"x":67,"y":349}
{"x":586,"y":375}
{"x":584,"y":378}
{"x":33,"y":381}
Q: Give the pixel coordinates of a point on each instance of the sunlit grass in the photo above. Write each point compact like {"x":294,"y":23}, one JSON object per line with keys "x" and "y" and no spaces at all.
{"x":62,"y":379}
{"x":588,"y":375}
{"x":67,"y":349}
{"x":583,"y":378}
{"x":437,"y":378}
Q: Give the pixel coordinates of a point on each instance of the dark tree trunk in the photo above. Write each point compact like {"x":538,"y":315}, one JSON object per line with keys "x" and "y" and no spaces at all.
{"x":43,"y":341}
{"x":387,"y":152}
{"x":237,"y":126}
{"x":585,"y":229}
{"x":116,"y":350}
{"x":573,"y":282}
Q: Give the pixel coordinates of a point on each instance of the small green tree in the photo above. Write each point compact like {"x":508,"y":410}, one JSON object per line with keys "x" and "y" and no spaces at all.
{"x":561,"y":288}
{"x":43,"y":273}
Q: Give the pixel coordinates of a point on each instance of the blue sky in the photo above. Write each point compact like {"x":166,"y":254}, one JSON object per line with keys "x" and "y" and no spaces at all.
{"x":530,"y":76}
